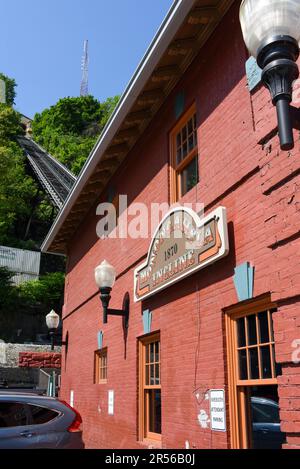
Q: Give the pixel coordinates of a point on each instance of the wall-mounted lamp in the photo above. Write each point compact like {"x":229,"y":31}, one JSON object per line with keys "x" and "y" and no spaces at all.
{"x":105,"y":276}
{"x":271,"y":30}
{"x":52,"y":321}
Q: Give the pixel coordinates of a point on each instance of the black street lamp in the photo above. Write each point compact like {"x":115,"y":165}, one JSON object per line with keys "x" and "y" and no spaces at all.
{"x":52,"y":321}
{"x":105,"y":276}
{"x":271,"y":30}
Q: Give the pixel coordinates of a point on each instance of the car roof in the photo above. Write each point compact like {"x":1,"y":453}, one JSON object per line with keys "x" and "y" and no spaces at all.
{"x":21,"y":394}
{"x":264,"y":400}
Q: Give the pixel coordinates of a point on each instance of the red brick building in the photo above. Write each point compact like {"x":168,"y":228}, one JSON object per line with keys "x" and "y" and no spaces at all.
{"x":231,"y":326}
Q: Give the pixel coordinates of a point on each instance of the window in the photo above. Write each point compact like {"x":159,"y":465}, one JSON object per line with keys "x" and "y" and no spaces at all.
{"x":252,"y":373}
{"x":150,"y":388}
{"x":13,"y":414}
{"x":184,"y":155}
{"x":100,"y":366}
{"x":255,"y":347}
{"x":40,"y":415}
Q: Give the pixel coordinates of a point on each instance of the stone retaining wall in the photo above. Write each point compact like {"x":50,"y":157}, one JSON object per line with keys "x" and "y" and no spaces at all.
{"x":39,"y":360}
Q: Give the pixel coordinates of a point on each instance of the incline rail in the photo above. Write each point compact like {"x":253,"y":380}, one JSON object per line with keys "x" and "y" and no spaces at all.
{"x":54,"y":177}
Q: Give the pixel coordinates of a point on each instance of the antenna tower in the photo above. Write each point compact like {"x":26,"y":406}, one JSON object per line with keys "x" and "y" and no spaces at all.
{"x":84,"y":87}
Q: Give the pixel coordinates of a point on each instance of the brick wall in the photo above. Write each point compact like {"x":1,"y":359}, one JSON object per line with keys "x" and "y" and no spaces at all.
{"x":39,"y":360}
{"x":242,"y":168}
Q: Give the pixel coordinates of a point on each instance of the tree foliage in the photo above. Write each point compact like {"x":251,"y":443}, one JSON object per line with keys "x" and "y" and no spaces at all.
{"x":69,"y":129}
{"x":10,"y":92}
{"x":43,"y":294}
{"x":25,"y":306}
{"x":18,"y":190}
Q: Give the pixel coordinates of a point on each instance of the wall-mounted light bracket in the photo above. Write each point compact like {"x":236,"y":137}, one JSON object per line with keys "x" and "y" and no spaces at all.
{"x":277,"y":58}
{"x":105,"y":299}
{"x":53,"y":334}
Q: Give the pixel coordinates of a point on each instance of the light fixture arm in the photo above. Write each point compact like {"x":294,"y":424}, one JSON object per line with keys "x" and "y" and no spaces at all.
{"x":105,"y":299}
{"x":277,"y":58}
{"x":52,"y":334}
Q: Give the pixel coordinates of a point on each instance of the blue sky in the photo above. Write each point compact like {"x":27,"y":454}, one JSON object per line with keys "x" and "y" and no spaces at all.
{"x":41,"y":45}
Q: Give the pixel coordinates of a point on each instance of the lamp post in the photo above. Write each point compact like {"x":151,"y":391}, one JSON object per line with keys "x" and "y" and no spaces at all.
{"x":271,"y":31}
{"x":105,"y":277}
{"x":52,"y":321}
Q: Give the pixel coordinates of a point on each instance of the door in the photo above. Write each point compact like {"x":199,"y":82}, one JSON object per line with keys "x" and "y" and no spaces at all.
{"x":254,"y":403}
{"x":14,"y":420}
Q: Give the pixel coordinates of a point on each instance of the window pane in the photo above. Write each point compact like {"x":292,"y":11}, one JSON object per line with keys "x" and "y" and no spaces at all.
{"x":266,"y":362}
{"x":189,"y":176}
{"x":178,"y":141}
{"x":243,"y":364}
{"x":254,"y":368}
{"x":155,"y":411}
{"x":157,"y":380}
{"x":252,"y":336}
{"x":184,"y":134}
{"x":157,"y":351}
{"x":147,"y":378}
{"x":152,"y":376}
{"x":152,"y":352}
{"x":178,"y":156}
{"x":184,"y":149}
{"x":241,"y":332}
{"x":41,"y":415}
{"x":191,"y":143}
{"x":263,"y":327}
{"x":12,"y":414}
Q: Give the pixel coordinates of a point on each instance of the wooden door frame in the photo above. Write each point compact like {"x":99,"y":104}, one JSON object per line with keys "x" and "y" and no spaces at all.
{"x":239,"y":434}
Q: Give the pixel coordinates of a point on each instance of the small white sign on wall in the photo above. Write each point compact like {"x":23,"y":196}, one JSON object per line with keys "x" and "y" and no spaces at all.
{"x":218,"y":410}
{"x":111,"y":397}
{"x":72,"y":398}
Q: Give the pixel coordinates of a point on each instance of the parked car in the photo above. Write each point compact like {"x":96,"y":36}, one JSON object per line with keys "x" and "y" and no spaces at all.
{"x":29,"y":421}
{"x":266,"y":432}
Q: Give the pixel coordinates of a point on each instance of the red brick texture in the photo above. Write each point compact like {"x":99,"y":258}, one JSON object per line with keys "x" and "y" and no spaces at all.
{"x":241,"y":168}
{"x":39,"y":360}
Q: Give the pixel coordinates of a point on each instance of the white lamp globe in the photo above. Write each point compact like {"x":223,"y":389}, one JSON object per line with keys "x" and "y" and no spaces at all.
{"x":263,"y":19}
{"x":52,"y":320}
{"x":105,"y":275}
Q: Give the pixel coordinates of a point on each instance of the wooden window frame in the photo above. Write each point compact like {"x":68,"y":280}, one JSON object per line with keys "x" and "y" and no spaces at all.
{"x":144,"y":434}
{"x":237,"y":389}
{"x":176,"y":169}
{"x":98,"y":357}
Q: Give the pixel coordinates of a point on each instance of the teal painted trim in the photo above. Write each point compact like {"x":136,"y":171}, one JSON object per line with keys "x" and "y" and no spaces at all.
{"x":147,"y":321}
{"x":250,"y":280}
{"x":244,"y":281}
{"x":253,"y":73}
{"x":179,"y":104}
{"x":100,"y":340}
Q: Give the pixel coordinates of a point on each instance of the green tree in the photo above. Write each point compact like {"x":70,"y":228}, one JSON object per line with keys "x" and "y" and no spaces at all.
{"x":69,"y":129}
{"x":10,"y":124}
{"x":10,"y":91}
{"x":8,"y":293}
{"x":44,"y":294}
